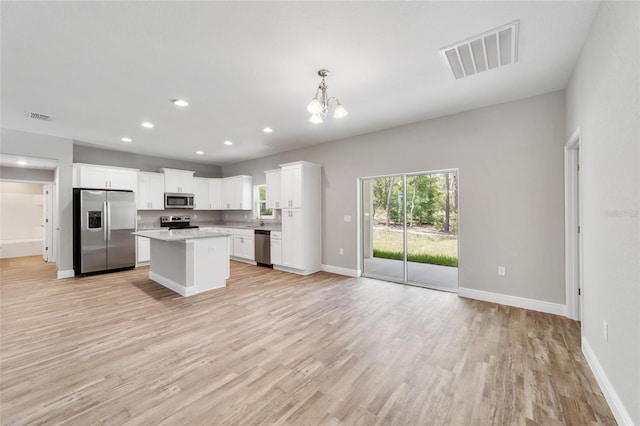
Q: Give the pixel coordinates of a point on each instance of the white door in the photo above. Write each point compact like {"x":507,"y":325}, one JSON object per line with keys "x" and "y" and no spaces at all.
{"x":292,"y":255}
{"x":142,"y":196}
{"x":228,"y":193}
{"x":122,"y":179}
{"x":291,"y":186}
{"x":201,"y":193}
{"x":93,"y":177}
{"x":156,"y":191}
{"x":215,"y":194}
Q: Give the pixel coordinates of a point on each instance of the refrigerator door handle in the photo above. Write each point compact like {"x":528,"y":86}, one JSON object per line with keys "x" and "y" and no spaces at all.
{"x":108,"y":221}
{"x":104,"y":220}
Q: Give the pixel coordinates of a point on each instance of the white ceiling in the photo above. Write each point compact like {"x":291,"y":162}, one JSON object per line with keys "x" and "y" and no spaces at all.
{"x":101,"y":68}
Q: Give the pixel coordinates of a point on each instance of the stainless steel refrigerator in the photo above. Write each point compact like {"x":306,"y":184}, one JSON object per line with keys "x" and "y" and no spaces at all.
{"x":102,"y":225}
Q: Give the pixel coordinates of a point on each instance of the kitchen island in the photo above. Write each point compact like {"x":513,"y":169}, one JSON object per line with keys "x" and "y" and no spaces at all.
{"x":188,"y":261}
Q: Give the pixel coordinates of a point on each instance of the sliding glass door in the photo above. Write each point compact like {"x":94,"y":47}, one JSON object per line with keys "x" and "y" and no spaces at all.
{"x":410,"y":228}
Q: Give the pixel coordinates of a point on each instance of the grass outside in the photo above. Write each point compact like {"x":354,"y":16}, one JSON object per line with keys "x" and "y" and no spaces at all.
{"x":423,"y":247}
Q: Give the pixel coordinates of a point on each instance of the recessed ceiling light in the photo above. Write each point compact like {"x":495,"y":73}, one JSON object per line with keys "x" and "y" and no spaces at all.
{"x":199,"y":152}
{"x":147,"y":125}
{"x":22,"y":163}
{"x":267,"y":130}
{"x":180,"y":102}
{"x":126,"y":139}
{"x":228,"y":143}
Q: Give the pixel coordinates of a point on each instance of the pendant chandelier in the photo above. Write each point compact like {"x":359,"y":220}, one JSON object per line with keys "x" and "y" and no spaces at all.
{"x":319,"y":105}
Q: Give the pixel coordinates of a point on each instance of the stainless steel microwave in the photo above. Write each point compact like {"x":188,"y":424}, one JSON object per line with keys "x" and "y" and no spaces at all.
{"x":178,"y":201}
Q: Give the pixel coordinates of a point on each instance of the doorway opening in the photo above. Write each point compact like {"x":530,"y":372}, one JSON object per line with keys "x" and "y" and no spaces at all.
{"x":410,"y":228}
{"x":26,"y":224}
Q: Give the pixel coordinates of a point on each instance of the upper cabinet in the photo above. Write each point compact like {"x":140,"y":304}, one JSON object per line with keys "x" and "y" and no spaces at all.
{"x":104,"y":177}
{"x":201,"y":194}
{"x":237,"y":193}
{"x":215,"y":194}
{"x":178,"y":181}
{"x":274,"y":181}
{"x":150,"y":195}
{"x":291,"y":188}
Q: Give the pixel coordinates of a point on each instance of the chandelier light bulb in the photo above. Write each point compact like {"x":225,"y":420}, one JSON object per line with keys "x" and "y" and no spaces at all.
{"x":315,"y":106}
{"x":340,"y":111}
{"x":316,"y":118}
{"x":321,"y":102}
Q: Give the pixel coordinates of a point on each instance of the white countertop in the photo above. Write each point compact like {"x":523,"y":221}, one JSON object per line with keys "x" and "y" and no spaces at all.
{"x":179,"y":234}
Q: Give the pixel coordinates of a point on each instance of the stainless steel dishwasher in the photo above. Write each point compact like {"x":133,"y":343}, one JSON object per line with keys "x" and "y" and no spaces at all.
{"x":263,"y":247}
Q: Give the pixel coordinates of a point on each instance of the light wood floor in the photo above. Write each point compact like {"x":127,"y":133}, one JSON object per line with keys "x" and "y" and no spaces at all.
{"x":276,"y":348}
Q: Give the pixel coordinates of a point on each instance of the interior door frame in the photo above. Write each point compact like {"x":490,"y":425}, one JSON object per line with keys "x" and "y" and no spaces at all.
{"x":573,"y":237}
{"x":405,"y":280}
{"x":51,"y":214}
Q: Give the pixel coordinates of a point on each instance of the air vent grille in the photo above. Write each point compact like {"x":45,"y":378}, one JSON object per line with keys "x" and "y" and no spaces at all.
{"x":486,"y":51}
{"x":36,"y":116}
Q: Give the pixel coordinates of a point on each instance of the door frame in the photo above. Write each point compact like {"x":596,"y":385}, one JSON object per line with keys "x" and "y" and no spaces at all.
{"x":360,"y":223}
{"x":573,"y":236}
{"x":51,"y":214}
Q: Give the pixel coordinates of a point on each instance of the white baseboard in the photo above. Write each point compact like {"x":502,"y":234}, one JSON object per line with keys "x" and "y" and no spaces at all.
{"x":621,"y":414}
{"x":66,"y":274}
{"x":296,"y":271}
{"x":172,"y":285}
{"x":243,"y":260}
{"x":518,"y":302}
{"x":340,"y":271}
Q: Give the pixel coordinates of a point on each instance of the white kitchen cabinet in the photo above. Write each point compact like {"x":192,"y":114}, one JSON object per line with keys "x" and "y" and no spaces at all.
{"x":301,"y":225}
{"x":292,"y":239}
{"x":215,"y":194}
{"x":237,"y":193}
{"x":150,"y":194}
{"x":201,"y":194}
{"x":178,"y":181}
{"x":244,"y":247}
{"x":291,"y":186}
{"x":276,"y":248}
{"x":143,"y":250}
{"x":274,"y":182}
{"x":104,"y":177}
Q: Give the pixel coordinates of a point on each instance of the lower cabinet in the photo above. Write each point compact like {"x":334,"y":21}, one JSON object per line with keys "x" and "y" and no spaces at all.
{"x":241,"y":242}
{"x":143,"y":250}
{"x":244,"y":247}
{"x":292,"y":236}
{"x":276,"y":248}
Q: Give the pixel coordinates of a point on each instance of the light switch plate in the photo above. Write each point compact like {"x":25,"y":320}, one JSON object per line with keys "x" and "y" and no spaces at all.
{"x":347,"y":218}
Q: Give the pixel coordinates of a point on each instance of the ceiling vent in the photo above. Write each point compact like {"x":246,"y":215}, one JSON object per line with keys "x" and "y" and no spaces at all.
{"x":36,"y":116}
{"x":483,"y":52}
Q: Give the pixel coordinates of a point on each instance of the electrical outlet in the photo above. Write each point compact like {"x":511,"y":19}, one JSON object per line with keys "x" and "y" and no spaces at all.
{"x":605,"y":331}
{"x":341,"y":252}
{"x":347,"y":218}
{"x":502,"y":271}
{"x":195,"y":216}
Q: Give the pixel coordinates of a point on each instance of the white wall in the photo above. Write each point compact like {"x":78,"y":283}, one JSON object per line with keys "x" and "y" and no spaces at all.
{"x":603,"y":97}
{"x":33,"y":145}
{"x":21,"y":231}
{"x":510,"y":158}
